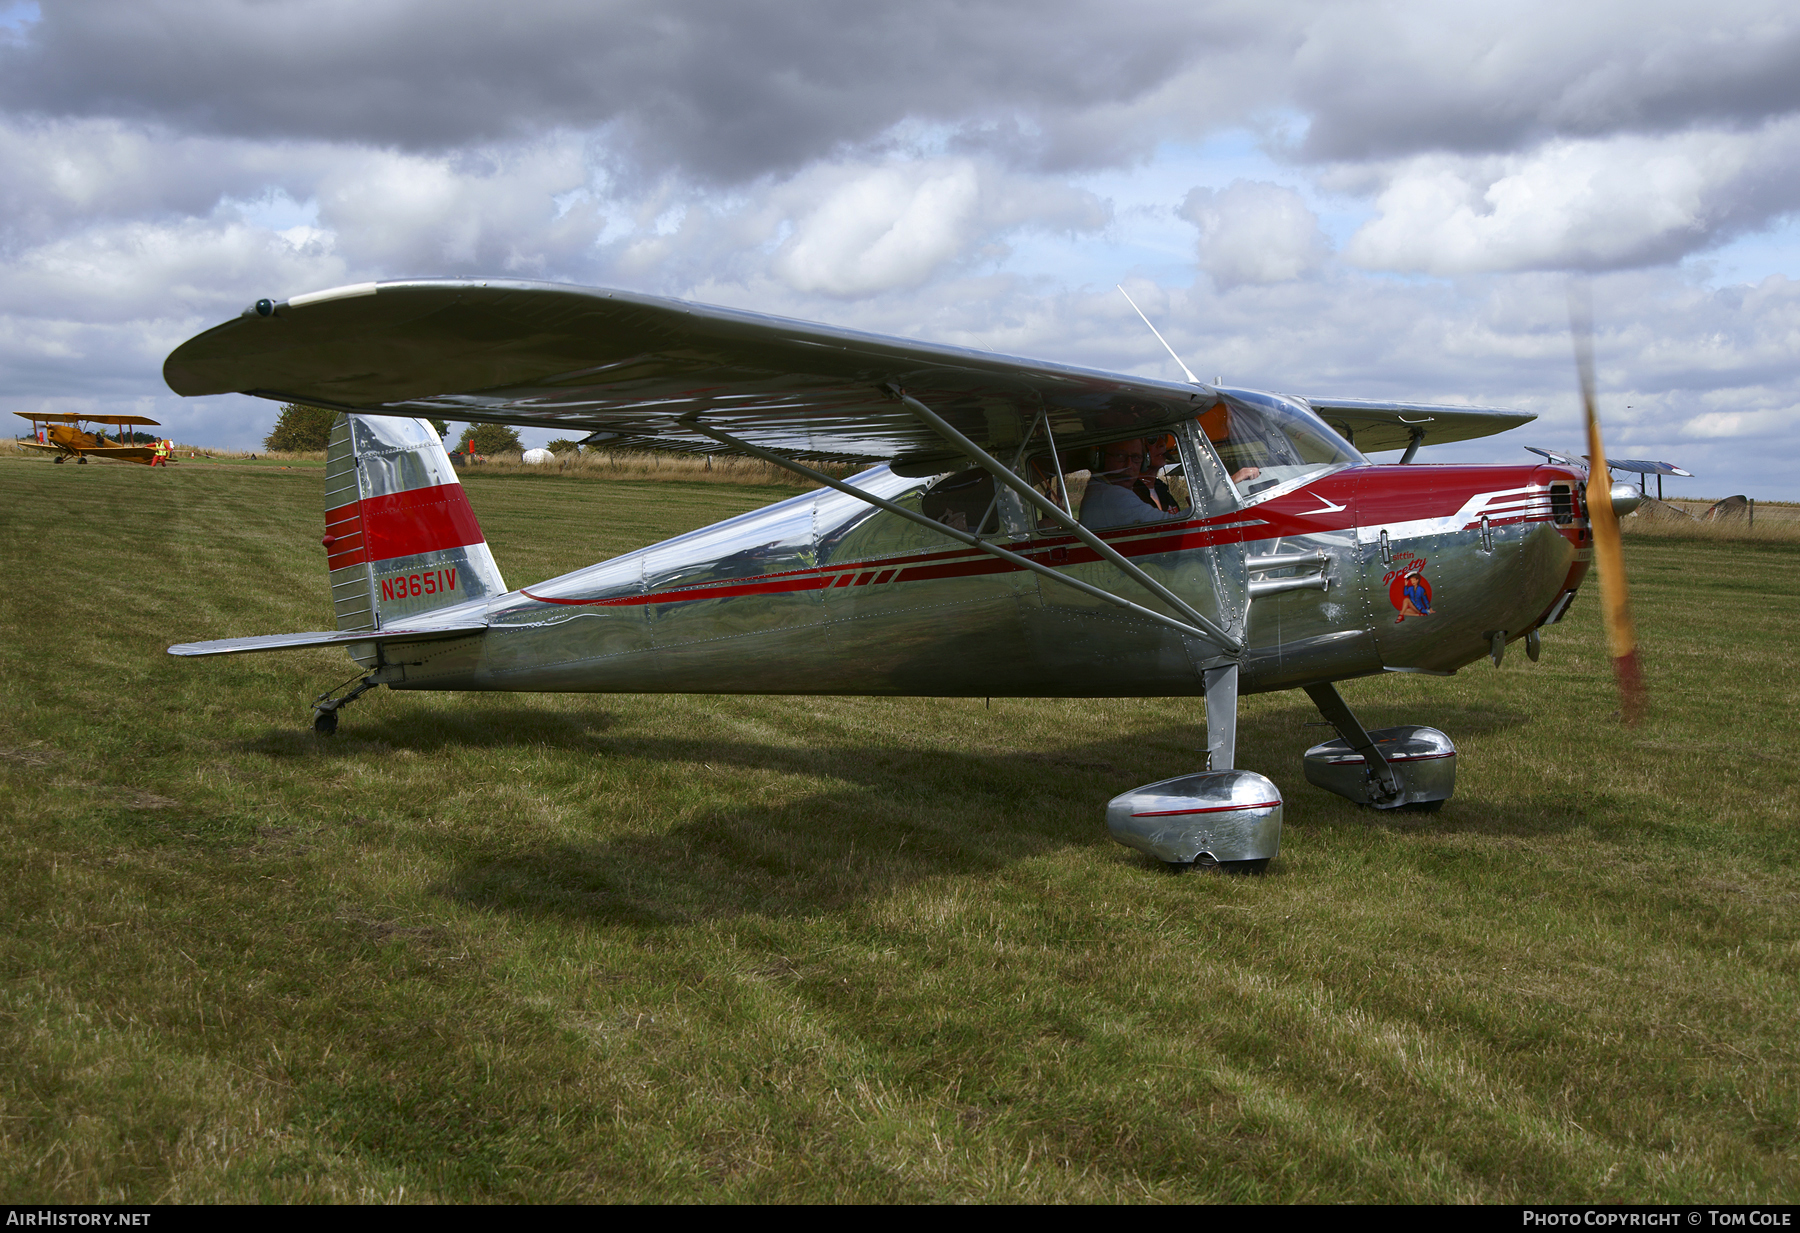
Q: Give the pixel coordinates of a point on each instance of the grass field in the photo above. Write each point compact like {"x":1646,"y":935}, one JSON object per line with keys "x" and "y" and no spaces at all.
{"x":713,"y":948}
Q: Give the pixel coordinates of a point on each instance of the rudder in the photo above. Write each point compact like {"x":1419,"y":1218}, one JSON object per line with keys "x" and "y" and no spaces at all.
{"x":400,"y":536}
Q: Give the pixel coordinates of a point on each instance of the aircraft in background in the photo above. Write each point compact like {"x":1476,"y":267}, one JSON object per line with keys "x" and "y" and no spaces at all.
{"x":1625,"y":498}
{"x":1644,"y":470}
{"x":1010,"y":538}
{"x":65,"y":436}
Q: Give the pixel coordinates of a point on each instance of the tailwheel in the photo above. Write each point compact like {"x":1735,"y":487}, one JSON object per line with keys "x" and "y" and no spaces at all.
{"x":325,"y":707}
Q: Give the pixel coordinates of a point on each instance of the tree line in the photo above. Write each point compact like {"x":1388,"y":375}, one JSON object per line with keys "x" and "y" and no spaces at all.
{"x":301,"y":428}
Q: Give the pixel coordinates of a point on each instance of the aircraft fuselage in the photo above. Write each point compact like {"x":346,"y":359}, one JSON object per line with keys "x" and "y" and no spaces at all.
{"x":1361,"y":570}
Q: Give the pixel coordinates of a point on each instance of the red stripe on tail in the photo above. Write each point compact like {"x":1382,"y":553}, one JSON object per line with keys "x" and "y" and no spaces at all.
{"x":402,"y":524}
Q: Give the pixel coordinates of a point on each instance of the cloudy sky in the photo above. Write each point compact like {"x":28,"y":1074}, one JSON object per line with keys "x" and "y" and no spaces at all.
{"x":1367,"y":199}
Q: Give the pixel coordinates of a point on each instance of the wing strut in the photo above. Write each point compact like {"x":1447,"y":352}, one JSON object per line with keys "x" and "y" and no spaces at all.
{"x":1058,"y":515}
{"x":1206,"y":632}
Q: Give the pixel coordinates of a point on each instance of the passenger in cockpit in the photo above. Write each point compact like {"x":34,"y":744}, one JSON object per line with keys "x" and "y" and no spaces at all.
{"x":1159,"y":452}
{"x":1110,"y":500}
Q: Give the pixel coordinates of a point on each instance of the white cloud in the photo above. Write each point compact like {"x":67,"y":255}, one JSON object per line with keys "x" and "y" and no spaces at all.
{"x":891,"y":227}
{"x":1725,"y":424}
{"x":130,"y":270}
{"x":864,"y":230}
{"x":1595,"y":204}
{"x":515,"y":210}
{"x":1255,"y":233}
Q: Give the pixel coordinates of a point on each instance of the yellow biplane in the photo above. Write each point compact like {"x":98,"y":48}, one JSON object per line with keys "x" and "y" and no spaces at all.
{"x":66,"y":437}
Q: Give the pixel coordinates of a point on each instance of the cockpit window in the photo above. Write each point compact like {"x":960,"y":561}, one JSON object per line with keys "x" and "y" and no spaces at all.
{"x":1265,"y":440}
{"x":963,"y":500}
{"x":1115,"y":483}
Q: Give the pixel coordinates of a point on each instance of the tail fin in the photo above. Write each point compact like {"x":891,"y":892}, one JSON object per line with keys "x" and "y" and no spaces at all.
{"x":400,"y":536}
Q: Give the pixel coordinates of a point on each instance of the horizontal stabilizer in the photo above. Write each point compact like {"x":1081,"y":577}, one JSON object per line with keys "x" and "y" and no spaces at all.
{"x":294,"y":642}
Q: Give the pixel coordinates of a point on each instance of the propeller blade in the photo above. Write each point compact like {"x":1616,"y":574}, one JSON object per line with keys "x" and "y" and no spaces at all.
{"x":1603,"y":524}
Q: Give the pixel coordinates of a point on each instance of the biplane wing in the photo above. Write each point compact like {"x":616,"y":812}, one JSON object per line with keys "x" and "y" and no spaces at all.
{"x":121,"y":453}
{"x":1645,"y":467}
{"x":636,"y":370}
{"x":117,"y":420}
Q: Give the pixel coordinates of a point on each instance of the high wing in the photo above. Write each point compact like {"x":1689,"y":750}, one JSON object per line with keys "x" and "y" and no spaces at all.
{"x":1372,"y":426}
{"x":636,"y":370}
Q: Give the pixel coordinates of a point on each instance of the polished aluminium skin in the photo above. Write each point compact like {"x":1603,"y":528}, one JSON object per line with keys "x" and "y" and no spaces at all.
{"x":959,"y":570}
{"x":1425,"y":754}
{"x":1196,"y":817}
{"x":821,"y":594}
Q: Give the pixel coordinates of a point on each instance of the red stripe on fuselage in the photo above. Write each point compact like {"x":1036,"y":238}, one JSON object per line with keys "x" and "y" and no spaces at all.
{"x":1407,"y":493}
{"x":403,"y":524}
{"x":1432,"y":491}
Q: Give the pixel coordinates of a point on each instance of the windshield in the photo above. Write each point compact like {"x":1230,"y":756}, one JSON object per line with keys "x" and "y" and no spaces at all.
{"x":1265,"y":440}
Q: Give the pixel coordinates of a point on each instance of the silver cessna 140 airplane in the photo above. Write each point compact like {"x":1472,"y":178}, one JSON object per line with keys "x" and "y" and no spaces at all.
{"x":1227,"y":541}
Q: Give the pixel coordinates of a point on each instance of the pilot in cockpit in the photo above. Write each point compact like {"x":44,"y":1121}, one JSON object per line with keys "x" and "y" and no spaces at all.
{"x":1111,"y":499}
{"x":1216,"y":423}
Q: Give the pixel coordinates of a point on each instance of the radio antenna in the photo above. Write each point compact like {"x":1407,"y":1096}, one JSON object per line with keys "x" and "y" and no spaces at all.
{"x":1192,"y":379}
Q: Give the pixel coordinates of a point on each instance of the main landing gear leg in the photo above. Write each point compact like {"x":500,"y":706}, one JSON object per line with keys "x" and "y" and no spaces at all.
{"x":1382,"y":786}
{"x":1221,"y":716}
{"x":1393,"y":768}
{"x":325,"y":707}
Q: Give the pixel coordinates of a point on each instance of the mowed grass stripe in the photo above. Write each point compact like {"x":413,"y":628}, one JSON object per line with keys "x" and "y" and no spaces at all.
{"x":583,"y":947}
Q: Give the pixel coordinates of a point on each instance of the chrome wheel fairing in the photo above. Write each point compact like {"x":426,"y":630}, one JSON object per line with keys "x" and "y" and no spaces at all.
{"x":1228,"y":816}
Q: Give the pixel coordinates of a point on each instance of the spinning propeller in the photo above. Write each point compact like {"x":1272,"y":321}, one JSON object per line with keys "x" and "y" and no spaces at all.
{"x":1603,"y":524}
